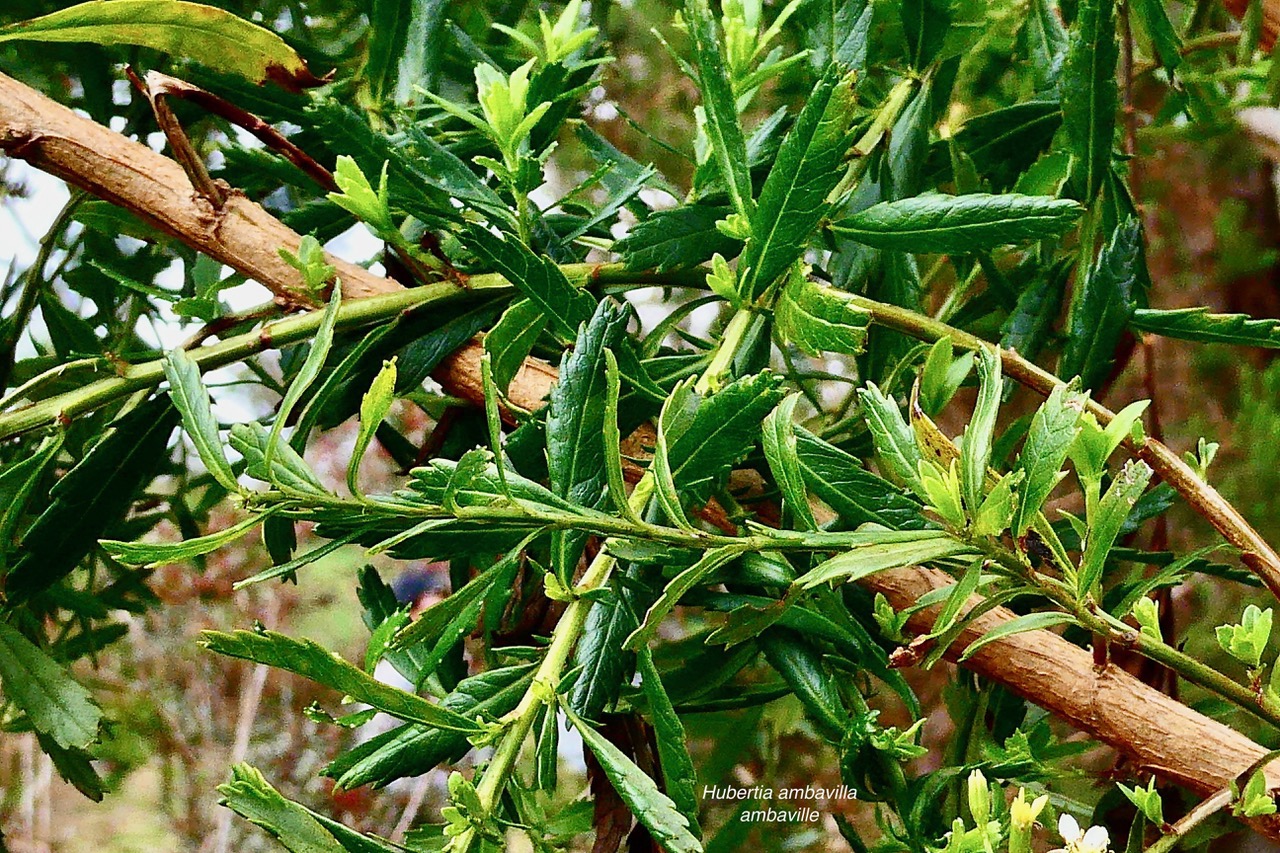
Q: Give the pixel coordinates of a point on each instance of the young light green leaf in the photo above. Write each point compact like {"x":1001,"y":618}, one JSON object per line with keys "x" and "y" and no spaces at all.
{"x":310,"y":660}
{"x":723,"y":127}
{"x":1090,"y":96}
{"x":894,"y":441}
{"x":1054,"y":428}
{"x":1017,"y":625}
{"x":1199,"y":324}
{"x":54,"y":702}
{"x":1104,"y":525}
{"x":1247,"y":641}
{"x":942,"y":375}
{"x":163,"y":553}
{"x":668,"y":827}
{"x":678,"y":774}
{"x":676,"y":415}
{"x":819,"y":318}
{"x":941,"y":224}
{"x":512,"y":338}
{"x":373,"y":408}
{"x":613,"y":441}
{"x":975,"y":452}
{"x":307,"y":374}
{"x":780,"y":443}
{"x":675,"y":590}
{"x":287,"y":467}
{"x":211,"y":36}
{"x":1101,"y":308}
{"x":191,"y":399}
{"x":995,"y":515}
{"x":882,"y":550}
{"x":808,"y":167}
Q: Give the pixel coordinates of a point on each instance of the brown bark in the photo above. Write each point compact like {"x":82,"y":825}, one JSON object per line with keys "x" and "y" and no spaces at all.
{"x":1154,"y":730}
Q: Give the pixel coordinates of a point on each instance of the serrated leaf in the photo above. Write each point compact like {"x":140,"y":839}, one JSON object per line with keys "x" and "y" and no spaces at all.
{"x":679,"y":238}
{"x":728,"y":145}
{"x":163,"y":553}
{"x":819,"y":318}
{"x":801,"y":668}
{"x":575,"y":427}
{"x":374,"y":407}
{"x":1030,"y":324}
{"x":675,"y":590}
{"x":780,"y":450}
{"x":857,"y":495}
{"x":894,"y":441}
{"x":509,"y":342}
{"x":208,"y":35}
{"x":1102,"y":306}
{"x":1018,"y":625}
{"x":310,"y":660}
{"x":655,"y":811}
{"x":1090,"y":95}
{"x":1005,"y":142}
{"x":1154,"y":18}
{"x":882,"y":550}
{"x":427,"y":627}
{"x":941,"y":224}
{"x":1199,"y":324}
{"x":808,"y":167}
{"x":287,"y":467}
{"x":1054,"y":428}
{"x":679,"y":777}
{"x":1105,"y":523}
{"x":311,"y":367}
{"x":1046,"y":43}
{"x":18,"y":482}
{"x":56,"y":704}
{"x":191,"y":398}
{"x":93,"y":496}
{"x":399,"y":50}
{"x":975,"y":451}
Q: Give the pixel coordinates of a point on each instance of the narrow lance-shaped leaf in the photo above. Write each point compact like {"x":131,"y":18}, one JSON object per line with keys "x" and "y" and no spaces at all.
{"x":1053,"y":430}
{"x":1105,"y":523}
{"x":163,"y":553}
{"x":54,"y":702}
{"x":976,"y":447}
{"x":613,"y":441}
{"x":1101,"y":308}
{"x":1046,"y":43}
{"x":925,"y":24}
{"x":668,"y":827}
{"x":18,"y":482}
{"x":249,"y":795}
{"x":1019,"y":625}
{"x":678,"y":774}
{"x":675,"y":590}
{"x":943,"y":224}
{"x":1090,"y":95}
{"x":287,"y":467}
{"x":306,"y":658}
{"x":1154,"y":18}
{"x":512,"y":338}
{"x":1199,"y":324}
{"x":808,"y":167}
{"x":884,"y":550}
{"x":857,"y":495}
{"x":192,"y":401}
{"x":819,"y":318}
{"x":894,"y":441}
{"x":728,"y":145}
{"x":307,"y":374}
{"x":779,"y":439}
{"x":373,"y":408}
{"x":211,"y":36}
{"x":679,"y":238}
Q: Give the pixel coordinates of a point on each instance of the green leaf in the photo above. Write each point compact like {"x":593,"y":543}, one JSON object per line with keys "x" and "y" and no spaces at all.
{"x":92,"y":497}
{"x":1102,"y":306}
{"x":613,"y":442}
{"x":427,"y":627}
{"x":1030,"y":324}
{"x":802,"y":669}
{"x":288,"y":469}
{"x":655,"y":811}
{"x":1198,"y":324}
{"x":780,"y":450}
{"x":18,"y":481}
{"x":675,"y":590}
{"x":54,"y":702}
{"x":536,"y":276}
{"x":943,"y":224}
{"x":857,"y":495}
{"x":307,"y":374}
{"x":1090,"y":96}
{"x":1005,"y":142}
{"x":399,"y":50}
{"x":575,"y":428}
{"x":925,"y":24}
{"x":720,"y":431}
{"x":975,"y":452}
{"x":374,"y":407}
{"x":727,"y":142}
{"x":679,"y":777}
{"x":210,"y":36}
{"x":1046,"y":42}
{"x":310,"y":660}
{"x":249,"y":795}
{"x":1105,"y":523}
{"x":512,"y":338}
{"x":1054,"y":428}
{"x":675,"y":239}
{"x":808,"y":167}
{"x":192,"y":401}
{"x":894,"y":441}
{"x":1017,"y":625}
{"x":819,"y":318}
{"x":1154,"y":18}
{"x":163,"y":553}
{"x":880,"y":550}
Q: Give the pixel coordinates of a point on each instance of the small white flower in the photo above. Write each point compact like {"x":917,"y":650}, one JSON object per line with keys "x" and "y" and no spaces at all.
{"x":1094,"y":840}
